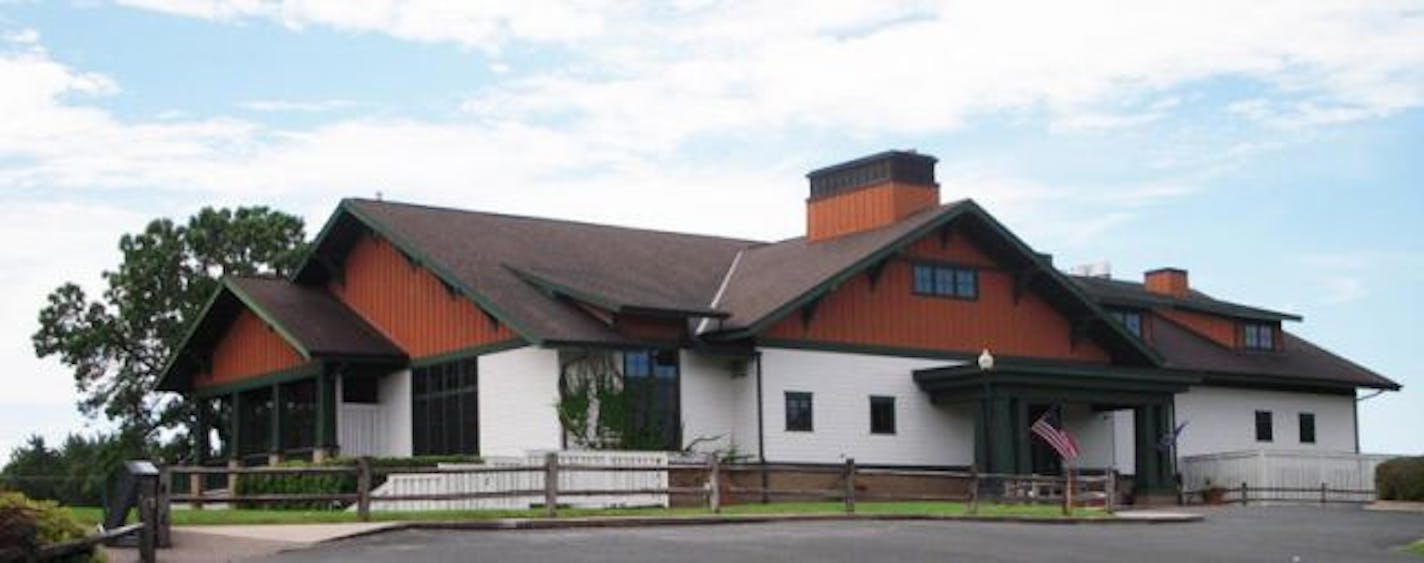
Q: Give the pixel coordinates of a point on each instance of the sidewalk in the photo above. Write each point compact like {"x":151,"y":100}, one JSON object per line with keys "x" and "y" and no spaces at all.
{"x":194,"y":544}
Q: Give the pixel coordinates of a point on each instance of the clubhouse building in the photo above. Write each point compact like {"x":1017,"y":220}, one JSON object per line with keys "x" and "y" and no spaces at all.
{"x":414,"y":330}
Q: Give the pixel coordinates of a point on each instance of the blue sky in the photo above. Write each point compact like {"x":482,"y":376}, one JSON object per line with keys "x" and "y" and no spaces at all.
{"x":1272,"y":150}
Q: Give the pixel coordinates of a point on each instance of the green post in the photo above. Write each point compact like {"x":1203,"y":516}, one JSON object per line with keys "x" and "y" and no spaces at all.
{"x":325,"y":410}
{"x":274,"y":444}
{"x":235,"y":430}
{"x":200,"y":430}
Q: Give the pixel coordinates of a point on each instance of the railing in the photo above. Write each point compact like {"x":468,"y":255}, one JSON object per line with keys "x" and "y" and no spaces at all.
{"x":1246,"y":494}
{"x":1068,"y":492}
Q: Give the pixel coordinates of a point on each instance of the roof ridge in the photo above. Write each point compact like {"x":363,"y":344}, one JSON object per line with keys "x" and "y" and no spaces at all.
{"x":550,"y":220}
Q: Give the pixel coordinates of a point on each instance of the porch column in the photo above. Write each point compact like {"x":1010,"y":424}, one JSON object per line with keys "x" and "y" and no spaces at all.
{"x":234,"y":450}
{"x":325,"y":415}
{"x":201,"y":424}
{"x":1154,"y":466}
{"x":274,"y":444}
{"x":998,"y":433}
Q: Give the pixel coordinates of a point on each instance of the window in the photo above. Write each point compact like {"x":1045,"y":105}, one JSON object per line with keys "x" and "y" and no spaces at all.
{"x":1258,"y":336}
{"x":946,"y":281}
{"x":798,"y":411}
{"x":1263,"y":426}
{"x":1307,"y":428}
{"x":445,"y":408}
{"x":1130,"y":320}
{"x":651,"y":379}
{"x":882,"y":415}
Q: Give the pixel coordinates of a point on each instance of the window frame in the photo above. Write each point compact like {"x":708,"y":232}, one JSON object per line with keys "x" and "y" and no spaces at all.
{"x":441,"y":394}
{"x":1121,"y":316}
{"x":657,"y":380}
{"x":794,"y":397}
{"x":1258,"y":336}
{"x":1270,"y":426}
{"x":945,"y":280}
{"x":1301,"y":419}
{"x":883,"y":401}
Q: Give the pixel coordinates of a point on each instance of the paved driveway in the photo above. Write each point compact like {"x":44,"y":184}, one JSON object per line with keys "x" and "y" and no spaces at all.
{"x":1273,"y":534}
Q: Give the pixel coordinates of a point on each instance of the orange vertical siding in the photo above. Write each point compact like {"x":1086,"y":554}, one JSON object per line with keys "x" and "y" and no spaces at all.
{"x":866,"y":208}
{"x":248,"y":348}
{"x":890,"y":314}
{"x":409,"y":304}
{"x":1221,"y":330}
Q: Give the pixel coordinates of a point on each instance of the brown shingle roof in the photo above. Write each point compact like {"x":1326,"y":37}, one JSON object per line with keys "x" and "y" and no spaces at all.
{"x":1135,"y":294}
{"x":484,"y":252}
{"x":317,"y":320}
{"x":1299,"y":360}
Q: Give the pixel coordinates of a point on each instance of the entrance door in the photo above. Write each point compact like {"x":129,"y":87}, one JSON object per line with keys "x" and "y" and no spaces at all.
{"x":1042,"y":459}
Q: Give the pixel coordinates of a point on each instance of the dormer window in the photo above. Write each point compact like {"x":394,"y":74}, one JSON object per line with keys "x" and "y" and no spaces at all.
{"x":1258,"y":336}
{"x":1130,"y":320}
{"x":940,"y":280}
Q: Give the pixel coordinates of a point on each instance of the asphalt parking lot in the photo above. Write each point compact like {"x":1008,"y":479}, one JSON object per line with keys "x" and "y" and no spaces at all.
{"x":1276,"y":534}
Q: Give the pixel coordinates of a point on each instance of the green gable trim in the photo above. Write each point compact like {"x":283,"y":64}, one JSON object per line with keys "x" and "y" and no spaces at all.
{"x":165,"y":380}
{"x":947,"y":215}
{"x":420,"y":258}
{"x":268,"y":318}
{"x":472,"y":351}
{"x":304,"y":371}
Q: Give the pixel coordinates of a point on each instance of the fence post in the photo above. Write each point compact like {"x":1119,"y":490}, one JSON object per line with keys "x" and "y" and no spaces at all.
{"x":1110,"y":487}
{"x":714,"y":487}
{"x":195,"y":488}
{"x":1322,"y":492}
{"x":1068,"y":492}
{"x":1245,"y":492}
{"x":165,"y":488}
{"x":973,"y":489}
{"x":850,"y":485}
{"x":232,"y":478}
{"x":551,"y":484}
{"x":148,"y":515}
{"x":363,"y":488}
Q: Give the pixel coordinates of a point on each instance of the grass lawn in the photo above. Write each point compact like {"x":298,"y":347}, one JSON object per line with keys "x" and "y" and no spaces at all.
{"x":90,"y":516}
{"x":1416,"y":548}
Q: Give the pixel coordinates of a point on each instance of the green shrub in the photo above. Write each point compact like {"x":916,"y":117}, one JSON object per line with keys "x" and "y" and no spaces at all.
{"x":327,"y":483}
{"x":26,"y":525}
{"x":1400,"y":479}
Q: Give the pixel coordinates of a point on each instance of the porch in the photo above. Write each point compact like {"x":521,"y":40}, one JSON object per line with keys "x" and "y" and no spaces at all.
{"x":1007,"y":398}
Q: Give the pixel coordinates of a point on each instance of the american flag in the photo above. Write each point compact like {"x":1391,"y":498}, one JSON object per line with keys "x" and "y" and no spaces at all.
{"x":1051,"y":430}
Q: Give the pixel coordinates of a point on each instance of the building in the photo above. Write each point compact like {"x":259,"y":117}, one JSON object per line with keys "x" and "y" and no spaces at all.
{"x":419,"y":330}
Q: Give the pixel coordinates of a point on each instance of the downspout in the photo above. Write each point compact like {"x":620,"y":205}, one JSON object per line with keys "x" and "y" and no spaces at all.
{"x":761,"y":432}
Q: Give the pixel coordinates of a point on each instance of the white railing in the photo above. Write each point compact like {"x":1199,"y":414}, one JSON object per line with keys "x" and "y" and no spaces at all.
{"x":414,"y":484}
{"x":359,"y":430}
{"x":1266,"y":469}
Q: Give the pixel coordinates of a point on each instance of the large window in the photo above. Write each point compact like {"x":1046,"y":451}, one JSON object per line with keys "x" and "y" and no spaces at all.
{"x":1264,"y":432}
{"x":445,"y":408}
{"x":651,"y":379}
{"x":946,"y":281}
{"x":798,"y":411}
{"x":1307,"y":428}
{"x":1130,"y":320}
{"x":882,"y":415}
{"x":1258,"y":336}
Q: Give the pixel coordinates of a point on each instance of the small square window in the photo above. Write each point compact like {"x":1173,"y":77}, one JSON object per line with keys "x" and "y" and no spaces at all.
{"x":1264,"y":432}
{"x":946,"y":281}
{"x":882,"y":415}
{"x":1307,"y":428}
{"x":1258,"y":336}
{"x":798,"y":411}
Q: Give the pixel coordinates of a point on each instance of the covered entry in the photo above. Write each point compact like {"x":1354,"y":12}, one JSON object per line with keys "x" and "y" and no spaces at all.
{"x":1008,"y":397}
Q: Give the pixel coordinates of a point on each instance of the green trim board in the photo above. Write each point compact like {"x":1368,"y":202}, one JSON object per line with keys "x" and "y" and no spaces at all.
{"x":948,"y":214}
{"x":164,"y":382}
{"x":463,"y":353}
{"x":346,"y":206}
{"x":304,"y":371}
{"x":268,"y":318}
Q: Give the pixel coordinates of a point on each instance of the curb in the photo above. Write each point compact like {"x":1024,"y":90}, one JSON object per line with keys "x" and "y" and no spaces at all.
{"x":504,"y":524}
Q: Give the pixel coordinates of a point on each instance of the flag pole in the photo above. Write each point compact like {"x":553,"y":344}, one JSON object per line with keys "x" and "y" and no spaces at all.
{"x":1068,"y":488}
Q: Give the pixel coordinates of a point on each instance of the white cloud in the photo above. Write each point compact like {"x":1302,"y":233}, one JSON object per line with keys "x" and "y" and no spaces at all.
{"x":316,"y":106}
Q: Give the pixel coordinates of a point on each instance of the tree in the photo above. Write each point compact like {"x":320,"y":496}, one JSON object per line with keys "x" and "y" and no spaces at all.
{"x":118,"y":345}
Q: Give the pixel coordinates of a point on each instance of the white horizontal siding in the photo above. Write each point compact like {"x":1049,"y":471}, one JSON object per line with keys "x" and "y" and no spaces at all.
{"x":519,"y":396}
{"x":841,"y":385}
{"x":1224,"y":419}
{"x":707,"y":399}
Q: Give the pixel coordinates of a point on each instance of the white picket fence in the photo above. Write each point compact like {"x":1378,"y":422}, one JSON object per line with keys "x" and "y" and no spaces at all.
{"x":449,"y":483}
{"x":1266,"y":469}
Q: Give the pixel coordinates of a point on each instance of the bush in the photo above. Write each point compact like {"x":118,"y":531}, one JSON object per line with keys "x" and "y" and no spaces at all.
{"x":27,"y":525}
{"x":1400,"y":478}
{"x":327,"y":483}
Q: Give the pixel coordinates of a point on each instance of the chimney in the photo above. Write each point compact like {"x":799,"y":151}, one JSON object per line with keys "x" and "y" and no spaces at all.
{"x":869,"y":193}
{"x":1167,"y":281}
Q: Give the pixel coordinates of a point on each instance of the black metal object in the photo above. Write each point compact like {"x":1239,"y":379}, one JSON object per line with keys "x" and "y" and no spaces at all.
{"x":135,"y":485}
{"x":890,"y":166}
